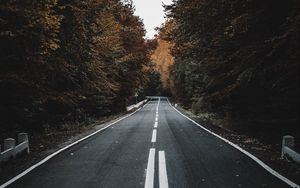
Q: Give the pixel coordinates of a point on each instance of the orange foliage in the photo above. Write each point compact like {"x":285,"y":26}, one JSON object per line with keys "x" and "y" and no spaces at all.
{"x":162,"y":59}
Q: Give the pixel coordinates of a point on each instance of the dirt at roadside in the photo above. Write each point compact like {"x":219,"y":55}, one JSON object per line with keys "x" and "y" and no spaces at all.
{"x":268,"y":153}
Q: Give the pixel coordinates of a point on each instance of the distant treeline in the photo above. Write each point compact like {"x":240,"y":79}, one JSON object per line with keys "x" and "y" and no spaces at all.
{"x":238,"y":60}
{"x":65,"y":60}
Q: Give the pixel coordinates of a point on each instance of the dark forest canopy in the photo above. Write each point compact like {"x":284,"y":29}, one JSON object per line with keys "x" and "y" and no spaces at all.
{"x":63,"y":60}
{"x":237,"y":59}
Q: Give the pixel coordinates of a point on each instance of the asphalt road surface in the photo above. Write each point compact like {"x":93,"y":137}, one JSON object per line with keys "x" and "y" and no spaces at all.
{"x":155,"y":147}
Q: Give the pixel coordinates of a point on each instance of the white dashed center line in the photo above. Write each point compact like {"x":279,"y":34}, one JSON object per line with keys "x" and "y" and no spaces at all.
{"x":162,"y":169}
{"x":153,"y":136}
{"x":163,"y":177}
{"x":150,"y":169}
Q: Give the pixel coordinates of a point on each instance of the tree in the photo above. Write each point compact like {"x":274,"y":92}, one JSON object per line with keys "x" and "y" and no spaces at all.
{"x":68,"y":60}
{"x":237,"y":59}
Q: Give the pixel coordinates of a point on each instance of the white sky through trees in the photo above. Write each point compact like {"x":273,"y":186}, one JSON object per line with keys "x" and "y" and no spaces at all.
{"x":152,"y":12}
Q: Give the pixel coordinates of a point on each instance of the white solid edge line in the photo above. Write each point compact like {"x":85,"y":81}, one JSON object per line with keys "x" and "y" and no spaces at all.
{"x":63,"y":149}
{"x":163,"y":176}
{"x":262,"y":164}
{"x":153,"y":139}
{"x":149,"y":182}
{"x":155,"y":125}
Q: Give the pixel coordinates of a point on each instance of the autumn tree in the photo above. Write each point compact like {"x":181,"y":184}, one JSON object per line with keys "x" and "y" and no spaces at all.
{"x":65,"y":60}
{"x":28,"y":36}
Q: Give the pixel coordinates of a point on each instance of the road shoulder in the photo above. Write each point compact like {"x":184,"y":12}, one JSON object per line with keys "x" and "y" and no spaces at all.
{"x":264,"y":152}
{"x":47,"y":143}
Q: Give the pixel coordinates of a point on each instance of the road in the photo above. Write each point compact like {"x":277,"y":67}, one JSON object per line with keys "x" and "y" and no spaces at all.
{"x":154,"y":147}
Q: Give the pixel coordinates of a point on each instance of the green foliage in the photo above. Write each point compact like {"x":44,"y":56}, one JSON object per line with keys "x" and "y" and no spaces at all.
{"x":154,"y":86}
{"x":64,"y":60}
{"x":238,"y":59}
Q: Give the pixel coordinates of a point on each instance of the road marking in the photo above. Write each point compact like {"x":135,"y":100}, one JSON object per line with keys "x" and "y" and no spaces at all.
{"x":157,"y":104}
{"x":258,"y":161}
{"x":63,"y":149}
{"x":155,"y":125}
{"x":163,"y":177}
{"x":149,"y":182}
{"x":156,"y":119}
{"x":153,"y":136}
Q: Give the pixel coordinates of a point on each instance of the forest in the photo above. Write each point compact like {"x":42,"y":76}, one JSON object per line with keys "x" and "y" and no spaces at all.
{"x":67,"y":61}
{"x":236,"y":62}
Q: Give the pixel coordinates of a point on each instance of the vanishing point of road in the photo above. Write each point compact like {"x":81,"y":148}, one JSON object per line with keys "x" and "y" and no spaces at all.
{"x":154,"y":147}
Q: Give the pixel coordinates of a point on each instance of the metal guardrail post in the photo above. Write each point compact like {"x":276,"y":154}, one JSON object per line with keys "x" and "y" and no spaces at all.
{"x":287,"y":141}
{"x":288,"y":144}
{"x":11,"y":150}
{"x":23,"y":137}
{"x":9,"y":143}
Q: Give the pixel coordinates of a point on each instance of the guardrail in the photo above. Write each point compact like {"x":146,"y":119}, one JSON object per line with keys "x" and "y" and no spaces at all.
{"x":128,"y":108}
{"x":287,"y":149}
{"x":11,"y":150}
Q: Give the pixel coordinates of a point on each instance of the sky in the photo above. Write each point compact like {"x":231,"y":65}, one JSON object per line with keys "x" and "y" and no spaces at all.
{"x":152,"y":12}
